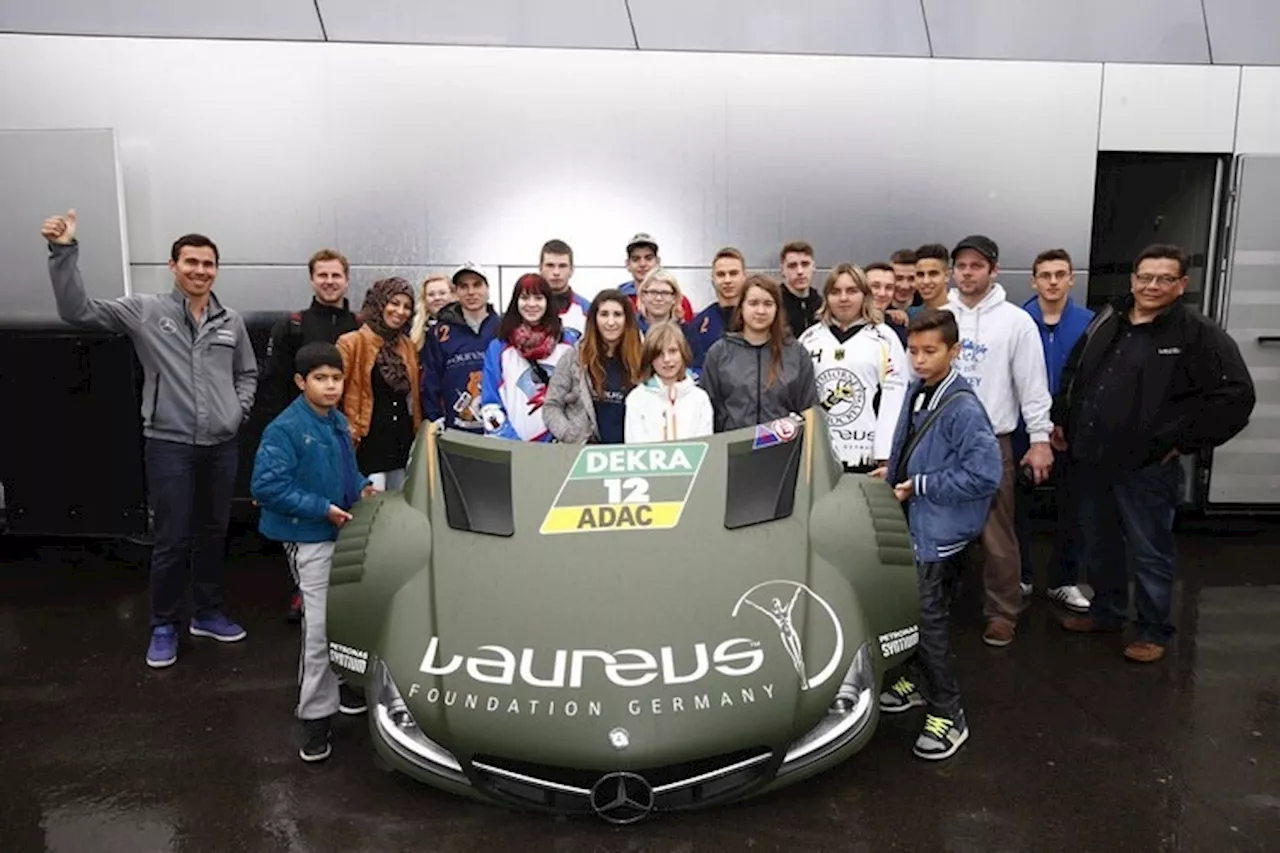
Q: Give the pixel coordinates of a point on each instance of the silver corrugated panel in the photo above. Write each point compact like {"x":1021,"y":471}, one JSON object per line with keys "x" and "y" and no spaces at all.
{"x":1246,"y":470}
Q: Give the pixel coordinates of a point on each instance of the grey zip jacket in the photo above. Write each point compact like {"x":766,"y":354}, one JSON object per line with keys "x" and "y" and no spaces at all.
{"x":735,"y":376}
{"x":199,"y":383}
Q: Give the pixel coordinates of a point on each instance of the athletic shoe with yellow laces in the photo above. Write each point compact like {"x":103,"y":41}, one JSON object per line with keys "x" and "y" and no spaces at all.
{"x":901,"y":696}
{"x":941,"y":737}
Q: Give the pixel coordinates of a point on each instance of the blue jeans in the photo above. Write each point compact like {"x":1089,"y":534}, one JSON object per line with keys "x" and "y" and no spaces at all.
{"x":1126,"y":526}
{"x":189,"y":487}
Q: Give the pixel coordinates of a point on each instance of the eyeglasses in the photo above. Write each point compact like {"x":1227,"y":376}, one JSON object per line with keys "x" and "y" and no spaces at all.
{"x":660,"y":294}
{"x":1145,"y":278}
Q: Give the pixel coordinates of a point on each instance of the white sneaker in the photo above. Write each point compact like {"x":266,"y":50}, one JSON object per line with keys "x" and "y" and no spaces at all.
{"x":1070,"y":597}
{"x":1026,"y":588}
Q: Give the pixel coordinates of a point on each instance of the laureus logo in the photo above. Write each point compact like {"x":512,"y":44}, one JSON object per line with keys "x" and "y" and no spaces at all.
{"x":777,"y":599}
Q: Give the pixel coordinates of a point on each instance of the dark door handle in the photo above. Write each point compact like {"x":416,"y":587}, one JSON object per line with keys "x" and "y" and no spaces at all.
{"x":1263,"y":340}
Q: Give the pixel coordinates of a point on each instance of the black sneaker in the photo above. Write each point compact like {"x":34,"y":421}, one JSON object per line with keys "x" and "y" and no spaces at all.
{"x":351,"y":702}
{"x":941,"y":737}
{"x":315,"y":744}
{"x":901,"y":696}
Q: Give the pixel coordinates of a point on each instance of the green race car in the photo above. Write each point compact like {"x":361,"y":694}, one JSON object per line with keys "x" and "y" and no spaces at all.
{"x":620,"y":629}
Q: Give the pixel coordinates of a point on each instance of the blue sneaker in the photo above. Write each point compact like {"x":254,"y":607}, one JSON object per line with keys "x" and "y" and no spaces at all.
{"x":217,"y":627}
{"x":163,"y":649}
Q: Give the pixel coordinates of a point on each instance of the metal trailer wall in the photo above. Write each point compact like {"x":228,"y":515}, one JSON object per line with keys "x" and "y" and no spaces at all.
{"x":419,"y":157}
{"x":410,"y":157}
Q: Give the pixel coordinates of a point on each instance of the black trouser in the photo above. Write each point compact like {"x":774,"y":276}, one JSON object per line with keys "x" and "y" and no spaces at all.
{"x":938,"y":583}
{"x":189,"y":487}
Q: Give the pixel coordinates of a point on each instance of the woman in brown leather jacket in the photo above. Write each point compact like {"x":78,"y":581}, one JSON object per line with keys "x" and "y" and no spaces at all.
{"x":382,"y":397}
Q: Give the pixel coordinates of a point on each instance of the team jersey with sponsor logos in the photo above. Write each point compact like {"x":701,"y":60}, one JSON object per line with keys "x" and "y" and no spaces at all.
{"x":512,"y":392}
{"x":573,"y":318}
{"x":862,"y":383}
{"x":453,"y":366}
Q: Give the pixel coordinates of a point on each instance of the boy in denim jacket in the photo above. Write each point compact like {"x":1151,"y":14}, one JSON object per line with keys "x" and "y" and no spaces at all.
{"x":305,"y":480}
{"x":945,"y":468}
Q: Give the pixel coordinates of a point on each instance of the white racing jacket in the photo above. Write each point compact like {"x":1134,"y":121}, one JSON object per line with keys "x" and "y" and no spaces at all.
{"x":849,"y":375}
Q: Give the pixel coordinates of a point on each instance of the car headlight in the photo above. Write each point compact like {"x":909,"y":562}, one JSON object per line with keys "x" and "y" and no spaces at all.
{"x":398,"y":727}
{"x":848,"y":713}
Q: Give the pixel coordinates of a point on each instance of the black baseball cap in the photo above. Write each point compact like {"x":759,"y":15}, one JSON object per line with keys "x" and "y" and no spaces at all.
{"x":983,"y":245}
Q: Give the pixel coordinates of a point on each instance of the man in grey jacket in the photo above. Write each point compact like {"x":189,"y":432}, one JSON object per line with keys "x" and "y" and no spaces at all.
{"x":201,"y":375}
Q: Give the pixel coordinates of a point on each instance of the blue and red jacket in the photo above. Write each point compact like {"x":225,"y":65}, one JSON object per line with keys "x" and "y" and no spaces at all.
{"x":453,"y":368}
{"x":707,"y":327}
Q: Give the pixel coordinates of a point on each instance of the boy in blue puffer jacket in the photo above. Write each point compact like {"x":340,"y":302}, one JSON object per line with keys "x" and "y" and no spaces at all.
{"x":945,"y":467}
{"x":305,"y":480}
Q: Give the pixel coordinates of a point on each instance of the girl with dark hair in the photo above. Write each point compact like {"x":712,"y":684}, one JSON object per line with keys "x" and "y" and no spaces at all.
{"x":758,"y":372}
{"x":586,"y":400}
{"x":381,"y":397}
{"x":519,"y":363}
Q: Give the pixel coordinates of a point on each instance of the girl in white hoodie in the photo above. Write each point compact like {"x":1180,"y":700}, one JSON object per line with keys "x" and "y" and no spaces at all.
{"x":667,"y":405}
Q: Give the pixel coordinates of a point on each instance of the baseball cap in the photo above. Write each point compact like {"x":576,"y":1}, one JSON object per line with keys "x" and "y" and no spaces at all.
{"x":471,"y":268}
{"x":984,"y":246}
{"x":642,"y":239}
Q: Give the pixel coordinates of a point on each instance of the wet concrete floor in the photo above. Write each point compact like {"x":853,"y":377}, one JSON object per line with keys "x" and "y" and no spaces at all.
{"x":1072,"y":747}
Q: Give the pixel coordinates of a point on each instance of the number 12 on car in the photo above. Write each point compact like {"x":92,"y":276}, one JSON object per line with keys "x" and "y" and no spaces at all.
{"x":654,"y":501}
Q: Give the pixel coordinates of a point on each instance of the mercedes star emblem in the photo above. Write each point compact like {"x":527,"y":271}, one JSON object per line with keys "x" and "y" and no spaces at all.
{"x":619,"y":738}
{"x":622,"y":798}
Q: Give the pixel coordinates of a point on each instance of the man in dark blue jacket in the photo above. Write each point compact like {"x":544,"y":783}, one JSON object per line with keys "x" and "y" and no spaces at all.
{"x":1151,"y":379}
{"x":946,"y":465}
{"x":453,"y":356}
{"x":1061,"y":323}
{"x":728,"y":272}
{"x":306,"y":481}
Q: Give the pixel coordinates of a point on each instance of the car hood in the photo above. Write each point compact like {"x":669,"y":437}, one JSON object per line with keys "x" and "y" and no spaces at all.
{"x":697,"y":640}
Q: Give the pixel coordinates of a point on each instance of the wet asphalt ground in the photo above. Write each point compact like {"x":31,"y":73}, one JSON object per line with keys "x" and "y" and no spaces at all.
{"x":1072,"y":747}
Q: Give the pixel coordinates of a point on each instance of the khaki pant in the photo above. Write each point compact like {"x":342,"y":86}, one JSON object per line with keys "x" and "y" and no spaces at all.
{"x":1001,"y":559}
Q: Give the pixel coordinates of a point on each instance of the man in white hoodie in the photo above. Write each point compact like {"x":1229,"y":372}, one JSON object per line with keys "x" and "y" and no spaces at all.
{"x":1001,"y":357}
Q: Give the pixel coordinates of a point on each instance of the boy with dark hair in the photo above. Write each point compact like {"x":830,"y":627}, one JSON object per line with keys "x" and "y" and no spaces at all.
{"x":728,"y":272}
{"x":305,"y":480}
{"x":904,"y":279}
{"x":933,"y":271}
{"x":945,"y":467}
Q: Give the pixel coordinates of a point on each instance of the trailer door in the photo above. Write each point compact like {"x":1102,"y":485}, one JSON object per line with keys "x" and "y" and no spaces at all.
{"x":1246,"y":470}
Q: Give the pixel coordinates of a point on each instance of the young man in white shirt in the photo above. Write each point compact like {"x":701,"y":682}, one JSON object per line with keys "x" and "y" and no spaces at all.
{"x":1001,"y":357}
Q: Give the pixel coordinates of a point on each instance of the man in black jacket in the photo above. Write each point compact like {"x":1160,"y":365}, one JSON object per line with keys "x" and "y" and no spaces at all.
{"x":1150,"y":379}
{"x":328,"y":317}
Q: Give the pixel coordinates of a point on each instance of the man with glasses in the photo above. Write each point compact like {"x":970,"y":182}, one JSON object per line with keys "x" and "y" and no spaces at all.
{"x":1061,"y":323}
{"x":1152,"y":378}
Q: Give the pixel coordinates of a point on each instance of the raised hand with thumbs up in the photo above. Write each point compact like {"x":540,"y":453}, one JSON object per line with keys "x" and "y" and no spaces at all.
{"x":60,"y":229}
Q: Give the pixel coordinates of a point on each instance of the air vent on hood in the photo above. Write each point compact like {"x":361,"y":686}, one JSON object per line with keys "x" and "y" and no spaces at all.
{"x":477,"y":490}
{"x":762,"y":482}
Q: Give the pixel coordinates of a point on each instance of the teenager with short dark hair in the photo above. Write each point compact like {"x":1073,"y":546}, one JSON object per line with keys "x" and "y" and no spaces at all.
{"x":945,"y":467}
{"x":728,"y":272}
{"x":800,"y":302}
{"x":306,"y":481}
{"x":555,"y":264}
